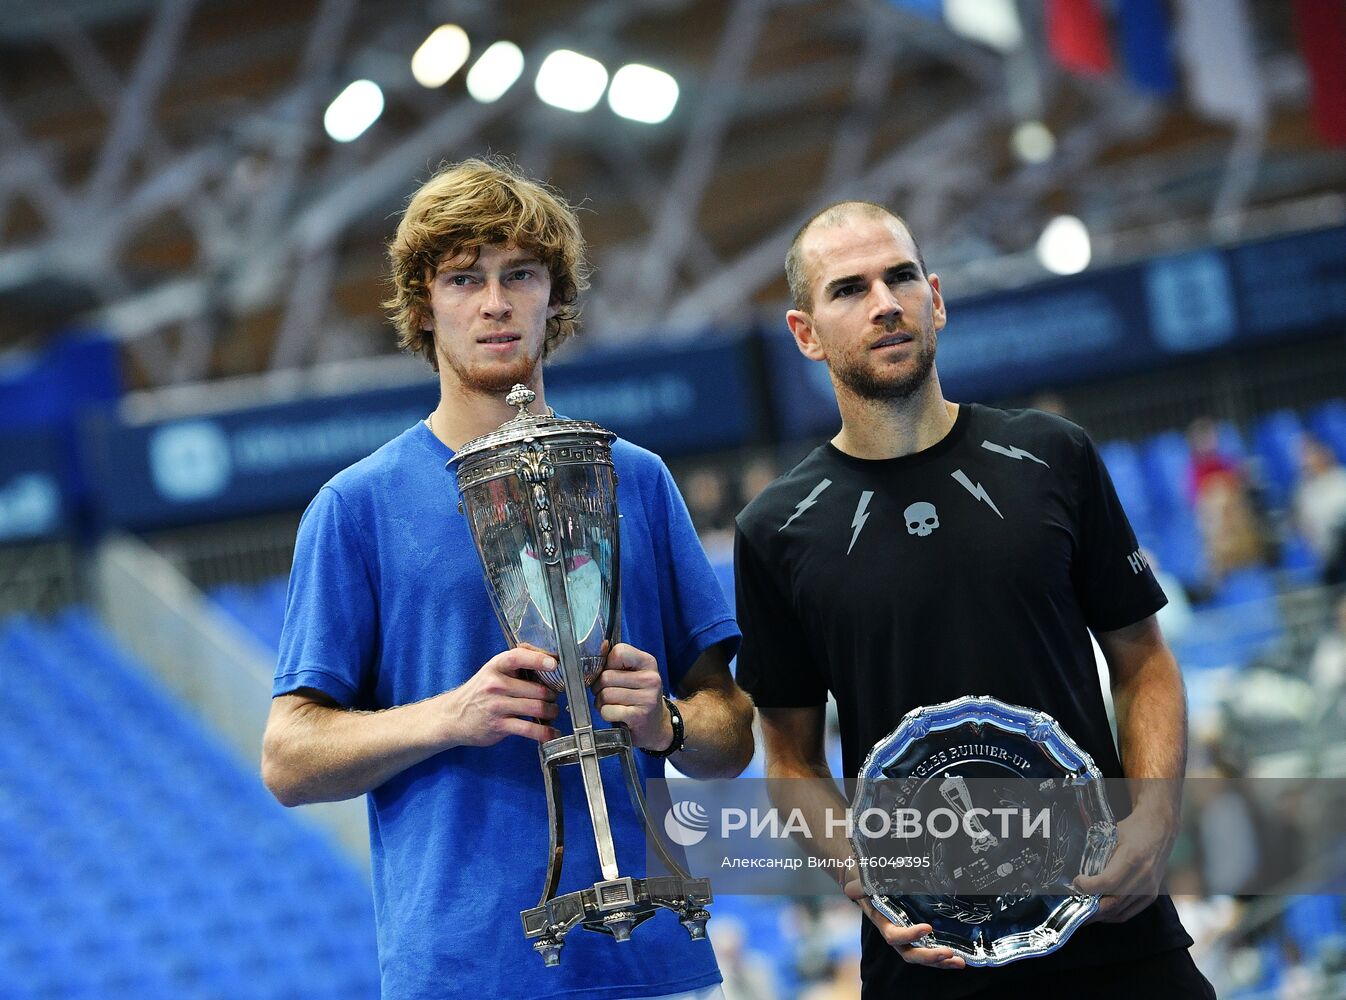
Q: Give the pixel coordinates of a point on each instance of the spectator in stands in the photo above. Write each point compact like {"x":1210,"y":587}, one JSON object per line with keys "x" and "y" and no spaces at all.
{"x":1050,"y":402}
{"x":1209,"y":464}
{"x":1232,"y":531}
{"x":757,"y":475}
{"x":393,"y":679}
{"x":710,"y":506}
{"x":1320,"y":507}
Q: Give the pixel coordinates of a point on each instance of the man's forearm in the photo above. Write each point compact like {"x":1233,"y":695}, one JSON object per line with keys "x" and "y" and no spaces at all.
{"x":813,"y":792}
{"x":718,"y":723}
{"x":321,"y":753}
{"x":1152,"y":730}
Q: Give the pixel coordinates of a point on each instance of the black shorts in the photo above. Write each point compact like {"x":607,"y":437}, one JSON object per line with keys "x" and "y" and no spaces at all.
{"x":1169,"y":975}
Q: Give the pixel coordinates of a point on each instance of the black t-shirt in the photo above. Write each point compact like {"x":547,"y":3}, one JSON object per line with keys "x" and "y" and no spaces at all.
{"x":974,"y":567}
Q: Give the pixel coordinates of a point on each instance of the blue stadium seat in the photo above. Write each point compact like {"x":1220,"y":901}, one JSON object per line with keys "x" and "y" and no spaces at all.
{"x":1241,"y":622}
{"x":1128,"y":476}
{"x":1167,"y":462}
{"x":149,"y":858}
{"x":1315,"y":923}
{"x":1230,"y":441}
{"x":1328,"y":422}
{"x":1276,"y":443}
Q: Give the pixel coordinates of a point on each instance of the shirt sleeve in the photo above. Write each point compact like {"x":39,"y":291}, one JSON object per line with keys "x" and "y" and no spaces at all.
{"x":696,"y":615}
{"x":773,"y":664}
{"x":330,"y":634}
{"x":1112,"y":577}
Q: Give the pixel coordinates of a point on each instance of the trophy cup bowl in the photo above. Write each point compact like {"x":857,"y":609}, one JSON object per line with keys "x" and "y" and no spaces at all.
{"x":989,"y":812}
{"x":541,"y":492}
{"x":540,"y":496}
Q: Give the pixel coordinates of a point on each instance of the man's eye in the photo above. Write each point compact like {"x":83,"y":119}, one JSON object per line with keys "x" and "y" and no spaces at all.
{"x":522,"y":274}
{"x":461,"y":279}
{"x":845,"y":291}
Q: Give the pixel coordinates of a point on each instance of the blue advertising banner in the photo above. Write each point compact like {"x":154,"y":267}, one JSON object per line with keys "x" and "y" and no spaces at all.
{"x":238,"y":463}
{"x":277,"y":456}
{"x":673,"y":401}
{"x":33,"y":500}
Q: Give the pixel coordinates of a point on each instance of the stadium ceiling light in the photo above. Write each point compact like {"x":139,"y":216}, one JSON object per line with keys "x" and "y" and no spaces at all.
{"x":440,"y":56}
{"x":353,"y":111}
{"x":643,"y":93}
{"x":1033,"y":142}
{"x":990,"y":22}
{"x":1063,"y":247}
{"x":571,"y":81}
{"x":495,"y":72}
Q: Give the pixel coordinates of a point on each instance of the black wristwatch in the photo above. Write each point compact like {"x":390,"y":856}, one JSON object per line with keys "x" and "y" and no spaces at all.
{"x":679,"y":732}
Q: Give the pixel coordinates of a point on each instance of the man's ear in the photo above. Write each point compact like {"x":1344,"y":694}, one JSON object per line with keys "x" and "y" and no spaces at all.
{"x":941,"y":316}
{"x":801,"y":326}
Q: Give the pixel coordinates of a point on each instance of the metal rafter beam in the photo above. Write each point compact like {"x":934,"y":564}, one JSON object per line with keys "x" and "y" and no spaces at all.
{"x":676,"y":220}
{"x":135,"y":109}
{"x":39,"y":177}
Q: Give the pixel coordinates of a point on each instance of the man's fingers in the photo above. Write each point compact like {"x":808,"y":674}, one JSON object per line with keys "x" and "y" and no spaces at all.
{"x":524,"y":658}
{"x":532,"y":708}
{"x":1113,"y":877}
{"x":938,"y":958}
{"x":626,"y":657}
{"x":631,"y":680}
{"x":621,"y":713}
{"x":903,"y":939}
{"x":530,"y":730}
{"x":632,"y":697}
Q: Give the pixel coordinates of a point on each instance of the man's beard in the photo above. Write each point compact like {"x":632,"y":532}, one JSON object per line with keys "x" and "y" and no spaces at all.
{"x":496,"y":379}
{"x":886,"y":385}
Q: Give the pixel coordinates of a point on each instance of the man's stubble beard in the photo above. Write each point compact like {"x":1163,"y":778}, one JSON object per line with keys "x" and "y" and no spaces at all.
{"x":495,"y":379}
{"x":866,"y":383}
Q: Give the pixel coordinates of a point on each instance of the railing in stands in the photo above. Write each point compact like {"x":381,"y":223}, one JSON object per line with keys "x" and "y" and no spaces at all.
{"x":223,"y":673}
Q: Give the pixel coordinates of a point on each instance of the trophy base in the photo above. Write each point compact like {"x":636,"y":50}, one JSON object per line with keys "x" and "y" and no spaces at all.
{"x":617,"y":907}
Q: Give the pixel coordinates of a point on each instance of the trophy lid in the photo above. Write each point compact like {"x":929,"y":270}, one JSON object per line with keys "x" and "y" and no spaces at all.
{"x":527,"y":427}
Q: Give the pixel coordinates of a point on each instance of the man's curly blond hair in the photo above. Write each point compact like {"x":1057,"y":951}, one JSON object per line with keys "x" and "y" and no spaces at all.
{"x":469,"y":205}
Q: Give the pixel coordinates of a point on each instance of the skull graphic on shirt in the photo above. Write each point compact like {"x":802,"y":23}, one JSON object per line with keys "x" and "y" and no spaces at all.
{"x":922,"y":518}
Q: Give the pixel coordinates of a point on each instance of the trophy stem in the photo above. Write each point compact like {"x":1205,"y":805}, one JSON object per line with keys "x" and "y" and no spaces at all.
{"x":581,"y":720}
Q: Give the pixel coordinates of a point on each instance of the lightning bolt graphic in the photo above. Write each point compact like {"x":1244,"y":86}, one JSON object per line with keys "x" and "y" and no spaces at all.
{"x":858,"y":521}
{"x":807,"y":502}
{"x":976,"y":490}
{"x":1012,"y":452}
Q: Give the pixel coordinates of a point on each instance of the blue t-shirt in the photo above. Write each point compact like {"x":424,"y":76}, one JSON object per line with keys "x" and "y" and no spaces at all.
{"x":387,"y":605}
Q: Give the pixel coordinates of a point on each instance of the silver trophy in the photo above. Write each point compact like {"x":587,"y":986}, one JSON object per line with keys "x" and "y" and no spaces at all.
{"x":539,"y":493}
{"x":976,"y":816}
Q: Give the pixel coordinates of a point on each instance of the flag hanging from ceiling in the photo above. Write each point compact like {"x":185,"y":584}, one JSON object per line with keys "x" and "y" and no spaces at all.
{"x":1147,"y":45}
{"x":1321,"y":26}
{"x":1219,"y":60}
{"x":1077,"y":35}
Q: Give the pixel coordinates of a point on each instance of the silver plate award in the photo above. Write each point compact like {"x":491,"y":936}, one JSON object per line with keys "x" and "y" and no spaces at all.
{"x":975,"y":816}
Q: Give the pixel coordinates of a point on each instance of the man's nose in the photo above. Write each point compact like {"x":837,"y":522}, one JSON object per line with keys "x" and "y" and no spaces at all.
{"x":883,"y":303}
{"x":494,"y":302}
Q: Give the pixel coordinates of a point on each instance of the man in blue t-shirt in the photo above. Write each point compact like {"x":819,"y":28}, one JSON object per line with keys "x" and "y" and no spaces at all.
{"x":394,"y":680}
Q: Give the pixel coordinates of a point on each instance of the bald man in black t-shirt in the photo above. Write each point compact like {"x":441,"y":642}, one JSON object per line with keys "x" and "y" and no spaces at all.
{"x":932,"y":550}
